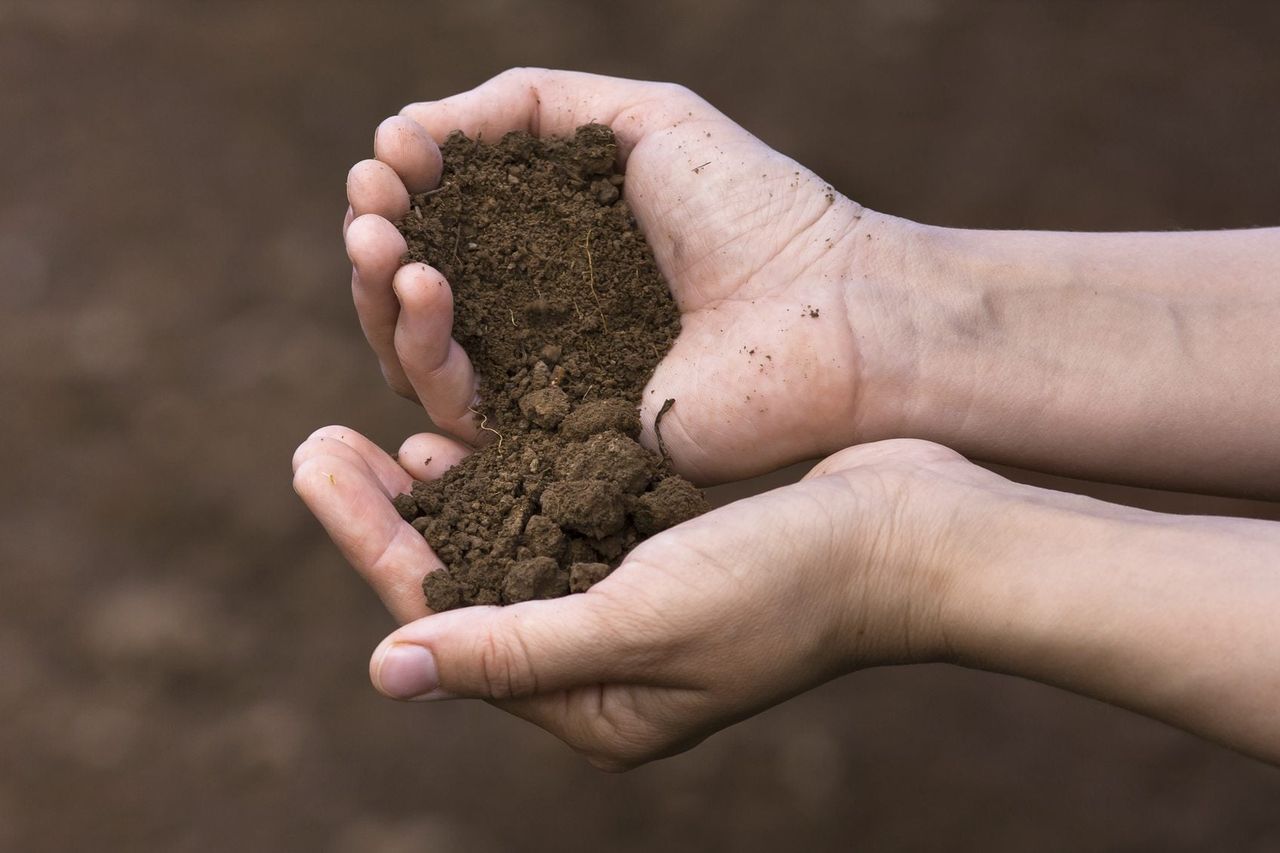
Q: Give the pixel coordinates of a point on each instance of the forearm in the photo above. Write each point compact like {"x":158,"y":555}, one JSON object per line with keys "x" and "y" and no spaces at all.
{"x":1152,"y":359}
{"x":1173,"y":617}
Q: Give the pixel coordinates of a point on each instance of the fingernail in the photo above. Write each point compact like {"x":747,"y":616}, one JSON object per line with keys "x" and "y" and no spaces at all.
{"x":407,"y":672}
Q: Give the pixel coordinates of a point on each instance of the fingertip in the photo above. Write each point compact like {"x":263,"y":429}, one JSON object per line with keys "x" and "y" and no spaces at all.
{"x":426,"y":456}
{"x":308,"y":448}
{"x":344,"y":443}
{"x":422,"y":290}
{"x":374,"y":187}
{"x":372,"y":242}
{"x":314,"y":474}
{"x":405,"y":671}
{"x":407,"y":148}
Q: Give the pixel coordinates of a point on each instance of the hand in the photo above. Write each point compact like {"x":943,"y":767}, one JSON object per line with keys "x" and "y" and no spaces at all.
{"x":759,"y":252}
{"x":700,"y":626}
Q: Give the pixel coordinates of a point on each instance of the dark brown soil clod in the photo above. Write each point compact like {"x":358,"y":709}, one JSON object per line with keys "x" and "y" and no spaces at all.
{"x":559,"y":304}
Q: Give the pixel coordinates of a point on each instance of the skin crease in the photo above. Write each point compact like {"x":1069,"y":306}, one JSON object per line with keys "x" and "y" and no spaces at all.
{"x":894,"y":551}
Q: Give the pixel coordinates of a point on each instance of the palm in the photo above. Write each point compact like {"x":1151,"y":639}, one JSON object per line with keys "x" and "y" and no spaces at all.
{"x":754,"y":248}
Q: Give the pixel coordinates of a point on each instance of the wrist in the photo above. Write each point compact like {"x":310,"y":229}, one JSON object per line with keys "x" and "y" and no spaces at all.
{"x":916,"y":529}
{"x":1054,"y":352}
{"x":896,"y":312}
{"x":962,"y":340}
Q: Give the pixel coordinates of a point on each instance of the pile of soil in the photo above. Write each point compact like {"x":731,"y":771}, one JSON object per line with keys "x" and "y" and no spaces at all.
{"x":565,"y":315}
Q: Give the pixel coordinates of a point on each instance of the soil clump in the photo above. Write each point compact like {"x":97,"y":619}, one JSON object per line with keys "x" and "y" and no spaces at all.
{"x":559,"y":304}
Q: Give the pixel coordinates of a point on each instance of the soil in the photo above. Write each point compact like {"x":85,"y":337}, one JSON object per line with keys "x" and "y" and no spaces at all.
{"x":564,"y":313}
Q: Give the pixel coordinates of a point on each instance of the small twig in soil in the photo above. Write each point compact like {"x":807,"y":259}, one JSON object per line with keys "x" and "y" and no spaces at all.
{"x":484,"y":419}
{"x":591,"y":272}
{"x":457,"y":236}
{"x":587,"y":393}
{"x":513,"y":316}
{"x":657,"y":426}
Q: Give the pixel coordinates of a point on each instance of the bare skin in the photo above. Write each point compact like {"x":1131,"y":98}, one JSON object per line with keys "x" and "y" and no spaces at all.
{"x":1138,"y":358}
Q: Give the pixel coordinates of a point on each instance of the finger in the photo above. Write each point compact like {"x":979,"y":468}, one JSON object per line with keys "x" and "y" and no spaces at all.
{"x":409,"y":150}
{"x":346,"y":221}
{"x":354,"y":447}
{"x":554,"y":103}
{"x":427,"y":455}
{"x":388,"y":553}
{"x":375,"y":248}
{"x":392,"y":373}
{"x":514,"y":651}
{"x":374,"y":187}
{"x":435,"y":364}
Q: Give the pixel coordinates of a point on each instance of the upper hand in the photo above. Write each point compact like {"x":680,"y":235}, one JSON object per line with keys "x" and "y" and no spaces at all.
{"x":757,"y":249}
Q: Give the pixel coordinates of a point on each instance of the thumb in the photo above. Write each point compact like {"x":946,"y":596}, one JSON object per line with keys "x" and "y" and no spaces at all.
{"x":508,"y":652}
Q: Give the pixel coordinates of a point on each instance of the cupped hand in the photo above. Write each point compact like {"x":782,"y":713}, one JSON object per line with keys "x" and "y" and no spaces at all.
{"x":758,"y":250}
{"x":700,"y":626}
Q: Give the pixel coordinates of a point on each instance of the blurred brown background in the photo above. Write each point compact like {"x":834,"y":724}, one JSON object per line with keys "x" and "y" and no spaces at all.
{"x":182,"y":653}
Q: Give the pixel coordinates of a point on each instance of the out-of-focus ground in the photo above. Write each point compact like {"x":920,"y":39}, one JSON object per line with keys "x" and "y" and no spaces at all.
{"x":182,"y":653}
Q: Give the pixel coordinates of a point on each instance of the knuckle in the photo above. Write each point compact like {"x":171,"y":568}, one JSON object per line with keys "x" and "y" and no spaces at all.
{"x":678,"y":90}
{"x":505,"y":669}
{"x":521,"y":76}
{"x":680,"y":95}
{"x":414,"y":111}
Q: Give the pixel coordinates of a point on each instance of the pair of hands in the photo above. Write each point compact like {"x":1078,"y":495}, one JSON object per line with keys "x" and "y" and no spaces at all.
{"x":731,"y":612}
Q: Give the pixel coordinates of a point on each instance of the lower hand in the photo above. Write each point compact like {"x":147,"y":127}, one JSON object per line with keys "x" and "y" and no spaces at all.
{"x":700,"y":626}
